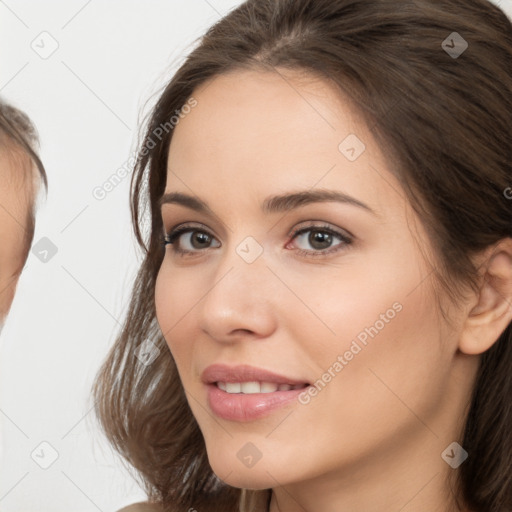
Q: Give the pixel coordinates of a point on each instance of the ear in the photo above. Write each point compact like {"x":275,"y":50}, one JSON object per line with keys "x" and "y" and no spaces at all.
{"x":491,"y":312}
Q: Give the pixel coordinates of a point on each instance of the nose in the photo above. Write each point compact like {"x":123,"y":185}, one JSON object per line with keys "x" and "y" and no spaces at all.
{"x":241,"y":301}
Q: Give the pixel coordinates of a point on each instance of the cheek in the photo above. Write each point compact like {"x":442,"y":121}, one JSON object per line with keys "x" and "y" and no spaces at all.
{"x":167,"y":305}
{"x":9,"y":263}
{"x":380,"y":316}
{"x":365,"y":297}
{"x":393,"y":358}
{"x":6,"y":295}
{"x":162,"y":296}
{"x":175,"y":298}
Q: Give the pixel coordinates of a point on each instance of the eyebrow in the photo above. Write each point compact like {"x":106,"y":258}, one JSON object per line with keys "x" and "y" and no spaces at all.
{"x":272,"y":204}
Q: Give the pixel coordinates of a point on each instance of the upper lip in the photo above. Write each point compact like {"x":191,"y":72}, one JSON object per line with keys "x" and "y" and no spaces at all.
{"x":244,"y":373}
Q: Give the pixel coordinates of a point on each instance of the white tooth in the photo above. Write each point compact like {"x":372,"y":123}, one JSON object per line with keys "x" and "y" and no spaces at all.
{"x":268,"y":387}
{"x":250,"y":387}
{"x":233,"y":387}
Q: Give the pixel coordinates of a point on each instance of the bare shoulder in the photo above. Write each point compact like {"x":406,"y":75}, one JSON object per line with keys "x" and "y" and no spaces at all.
{"x":141,"y":507}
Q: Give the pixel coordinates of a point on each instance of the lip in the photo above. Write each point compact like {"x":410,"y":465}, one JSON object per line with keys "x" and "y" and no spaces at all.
{"x":246,"y":407}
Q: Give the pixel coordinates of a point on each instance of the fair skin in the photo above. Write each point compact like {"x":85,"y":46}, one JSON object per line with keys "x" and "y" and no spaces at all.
{"x":17,"y":178}
{"x":372,"y":439}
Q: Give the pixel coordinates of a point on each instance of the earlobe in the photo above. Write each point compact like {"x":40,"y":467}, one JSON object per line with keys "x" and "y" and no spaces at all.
{"x":492,"y":313}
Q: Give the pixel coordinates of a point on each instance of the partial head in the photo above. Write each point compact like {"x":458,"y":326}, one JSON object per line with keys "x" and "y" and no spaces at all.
{"x":414,"y":287}
{"x":21,"y":176}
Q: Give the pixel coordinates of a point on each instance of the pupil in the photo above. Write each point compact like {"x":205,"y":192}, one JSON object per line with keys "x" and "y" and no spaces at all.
{"x":201,"y":238}
{"x":317,"y":238}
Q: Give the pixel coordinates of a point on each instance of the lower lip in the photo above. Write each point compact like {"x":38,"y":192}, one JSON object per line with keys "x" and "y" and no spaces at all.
{"x":248,"y":407}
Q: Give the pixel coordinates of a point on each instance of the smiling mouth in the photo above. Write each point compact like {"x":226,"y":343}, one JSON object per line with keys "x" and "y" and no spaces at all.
{"x":254,"y":387}
{"x":244,"y":398}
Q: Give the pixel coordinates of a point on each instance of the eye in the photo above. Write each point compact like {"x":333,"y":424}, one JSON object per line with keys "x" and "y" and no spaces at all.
{"x":320,"y":239}
{"x":196,"y":239}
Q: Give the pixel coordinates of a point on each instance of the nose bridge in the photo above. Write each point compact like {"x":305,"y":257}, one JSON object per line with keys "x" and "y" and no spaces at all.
{"x":240,"y":294}
{"x":241,"y":272}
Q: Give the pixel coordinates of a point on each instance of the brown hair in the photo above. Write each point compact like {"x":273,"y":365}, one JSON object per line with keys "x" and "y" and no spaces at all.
{"x":444,"y":122}
{"x":18,"y":133}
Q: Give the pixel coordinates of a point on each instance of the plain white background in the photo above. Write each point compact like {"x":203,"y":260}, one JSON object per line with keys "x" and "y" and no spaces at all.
{"x":85,"y":98}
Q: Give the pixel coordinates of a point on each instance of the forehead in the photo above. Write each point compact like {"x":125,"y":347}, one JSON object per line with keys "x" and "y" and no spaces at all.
{"x":260,"y":133}
{"x":253,"y":108}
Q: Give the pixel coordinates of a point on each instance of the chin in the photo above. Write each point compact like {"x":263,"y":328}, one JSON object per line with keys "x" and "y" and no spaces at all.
{"x":247,"y":480}
{"x":236,"y":475}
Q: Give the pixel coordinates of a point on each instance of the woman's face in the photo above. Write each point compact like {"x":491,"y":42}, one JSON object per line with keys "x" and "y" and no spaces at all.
{"x":347,"y":303}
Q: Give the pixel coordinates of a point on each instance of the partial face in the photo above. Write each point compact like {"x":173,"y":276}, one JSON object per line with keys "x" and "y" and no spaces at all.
{"x":16,"y":194}
{"x":330,"y":292}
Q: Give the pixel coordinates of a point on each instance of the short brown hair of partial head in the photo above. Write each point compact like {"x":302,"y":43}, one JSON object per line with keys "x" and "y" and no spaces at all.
{"x":19,"y":135}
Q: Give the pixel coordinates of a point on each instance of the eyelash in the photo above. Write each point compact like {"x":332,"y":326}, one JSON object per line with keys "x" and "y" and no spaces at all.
{"x":346,"y":240}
